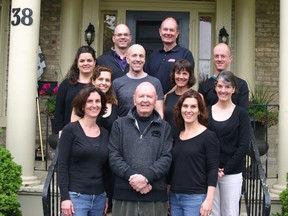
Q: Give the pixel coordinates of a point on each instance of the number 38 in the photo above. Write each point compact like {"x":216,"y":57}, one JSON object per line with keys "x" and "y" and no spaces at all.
{"x":24,"y":16}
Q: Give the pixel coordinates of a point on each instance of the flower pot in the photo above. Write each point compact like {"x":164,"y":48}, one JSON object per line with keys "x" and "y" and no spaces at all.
{"x":53,"y":140}
{"x":260,"y":131}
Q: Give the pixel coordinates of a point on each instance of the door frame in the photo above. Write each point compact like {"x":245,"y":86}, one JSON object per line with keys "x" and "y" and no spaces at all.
{"x":132,"y":16}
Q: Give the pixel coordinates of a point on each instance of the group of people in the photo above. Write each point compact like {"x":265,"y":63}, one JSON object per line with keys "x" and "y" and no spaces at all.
{"x":136,"y":137}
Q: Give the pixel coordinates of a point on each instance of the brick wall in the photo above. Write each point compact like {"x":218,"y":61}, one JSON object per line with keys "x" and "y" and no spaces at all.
{"x":50,"y":37}
{"x":267,"y":64}
{"x":267,"y":42}
{"x":50,"y":44}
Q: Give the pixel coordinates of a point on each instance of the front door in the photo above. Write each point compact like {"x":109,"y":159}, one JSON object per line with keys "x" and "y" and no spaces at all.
{"x":144,"y":27}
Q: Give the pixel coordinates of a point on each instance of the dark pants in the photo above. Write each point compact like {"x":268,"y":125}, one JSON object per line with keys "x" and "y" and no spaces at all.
{"x":129,"y":208}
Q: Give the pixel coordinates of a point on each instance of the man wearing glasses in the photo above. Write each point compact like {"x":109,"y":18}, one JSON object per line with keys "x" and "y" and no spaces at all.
{"x":222,"y":58}
{"x":116,"y":57}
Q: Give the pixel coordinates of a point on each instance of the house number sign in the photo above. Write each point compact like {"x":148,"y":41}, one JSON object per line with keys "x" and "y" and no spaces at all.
{"x":23,"y":16}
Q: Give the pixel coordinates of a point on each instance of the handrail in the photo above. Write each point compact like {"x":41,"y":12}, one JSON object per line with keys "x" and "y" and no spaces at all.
{"x":255,"y":189}
{"x":50,"y":194}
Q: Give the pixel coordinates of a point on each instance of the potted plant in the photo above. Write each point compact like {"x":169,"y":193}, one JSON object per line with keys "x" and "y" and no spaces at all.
{"x":258,"y":110}
{"x":50,"y":91}
{"x":262,"y":115}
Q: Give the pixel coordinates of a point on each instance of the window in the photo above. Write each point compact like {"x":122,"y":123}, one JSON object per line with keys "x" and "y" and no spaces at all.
{"x":205,"y":47}
{"x":108,"y":30}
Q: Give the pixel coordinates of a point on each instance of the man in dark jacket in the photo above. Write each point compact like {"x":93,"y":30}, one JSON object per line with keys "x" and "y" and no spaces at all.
{"x":222,"y":59}
{"x":140,"y":156}
{"x":116,"y":57}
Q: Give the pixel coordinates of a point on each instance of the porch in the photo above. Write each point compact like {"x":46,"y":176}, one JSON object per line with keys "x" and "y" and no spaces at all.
{"x":260,"y":178}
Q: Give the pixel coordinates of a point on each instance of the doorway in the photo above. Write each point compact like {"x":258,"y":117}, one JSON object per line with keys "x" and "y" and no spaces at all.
{"x":144,"y":27}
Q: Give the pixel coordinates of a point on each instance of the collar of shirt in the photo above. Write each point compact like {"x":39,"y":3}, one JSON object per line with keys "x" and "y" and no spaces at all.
{"x":121,"y":62}
{"x":174,"y":49}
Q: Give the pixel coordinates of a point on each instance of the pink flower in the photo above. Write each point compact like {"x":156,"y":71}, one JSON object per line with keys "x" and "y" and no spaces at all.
{"x":42,"y":92}
{"x":55,"y":90}
{"x":46,"y":86}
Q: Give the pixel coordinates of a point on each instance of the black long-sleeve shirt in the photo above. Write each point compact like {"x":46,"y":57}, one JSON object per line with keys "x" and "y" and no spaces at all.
{"x":195,"y":163}
{"x":63,"y":109}
{"x":82,"y":161}
{"x":234,"y":139}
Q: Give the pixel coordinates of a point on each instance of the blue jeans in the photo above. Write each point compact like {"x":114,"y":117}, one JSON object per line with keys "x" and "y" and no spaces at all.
{"x":185,"y":204}
{"x":88,"y":205}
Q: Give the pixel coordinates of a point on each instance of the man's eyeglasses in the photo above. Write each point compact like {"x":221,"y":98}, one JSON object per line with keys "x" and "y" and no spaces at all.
{"x":216,"y":57}
{"x":122,"y":35}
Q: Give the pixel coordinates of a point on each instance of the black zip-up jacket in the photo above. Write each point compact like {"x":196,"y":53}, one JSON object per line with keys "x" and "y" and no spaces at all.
{"x":147,"y":153}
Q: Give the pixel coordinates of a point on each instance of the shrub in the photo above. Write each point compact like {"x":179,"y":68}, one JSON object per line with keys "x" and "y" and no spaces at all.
{"x":10,"y":183}
{"x":284,"y":201}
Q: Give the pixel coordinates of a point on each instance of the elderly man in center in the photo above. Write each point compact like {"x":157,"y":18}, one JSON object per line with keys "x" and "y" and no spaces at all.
{"x":140,"y":156}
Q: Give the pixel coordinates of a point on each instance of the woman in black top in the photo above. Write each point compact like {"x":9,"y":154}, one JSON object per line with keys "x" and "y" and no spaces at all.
{"x":83,"y":157}
{"x":231,"y":124}
{"x":182,"y":78}
{"x":195,"y":159}
{"x":79,"y":75}
{"x":102,"y":78}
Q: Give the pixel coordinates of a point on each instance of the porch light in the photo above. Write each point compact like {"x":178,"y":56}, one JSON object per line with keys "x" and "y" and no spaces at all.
{"x":90,"y":34}
{"x":223,"y":36}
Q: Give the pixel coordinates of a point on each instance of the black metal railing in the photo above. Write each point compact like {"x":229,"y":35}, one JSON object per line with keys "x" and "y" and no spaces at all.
{"x":51,"y":194}
{"x":255,"y":188}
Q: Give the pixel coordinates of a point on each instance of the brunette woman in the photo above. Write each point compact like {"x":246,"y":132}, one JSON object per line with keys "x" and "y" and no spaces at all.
{"x":182,"y":78}
{"x":195,"y":159}
{"x":79,"y":76}
{"x":102,"y":78}
{"x":83,"y":154}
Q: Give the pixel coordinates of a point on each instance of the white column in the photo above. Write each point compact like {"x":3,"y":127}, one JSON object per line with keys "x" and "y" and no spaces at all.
{"x":283,"y":101}
{"x":70,"y":34}
{"x":22,"y":85}
{"x":90,"y":13}
{"x":245,"y":40}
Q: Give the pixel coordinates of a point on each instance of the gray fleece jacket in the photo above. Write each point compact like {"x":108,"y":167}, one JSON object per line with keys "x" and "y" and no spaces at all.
{"x":149,"y":154}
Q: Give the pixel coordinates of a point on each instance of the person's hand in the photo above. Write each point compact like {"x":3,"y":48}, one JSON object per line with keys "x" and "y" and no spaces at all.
{"x":137,"y":182}
{"x":146,"y":189}
{"x":106,"y":207}
{"x":206,"y":207}
{"x":220,"y":173}
{"x":67,"y":208}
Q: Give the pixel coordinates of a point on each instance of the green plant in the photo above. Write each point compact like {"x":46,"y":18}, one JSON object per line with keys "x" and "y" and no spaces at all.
{"x":50,"y":103}
{"x":10,"y":183}
{"x":284,"y":201}
{"x":258,"y":109}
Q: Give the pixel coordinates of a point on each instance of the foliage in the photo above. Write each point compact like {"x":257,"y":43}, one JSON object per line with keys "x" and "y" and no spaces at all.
{"x":258,"y":109}
{"x":50,"y":103}
{"x":284,"y":201}
{"x":10,"y":183}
